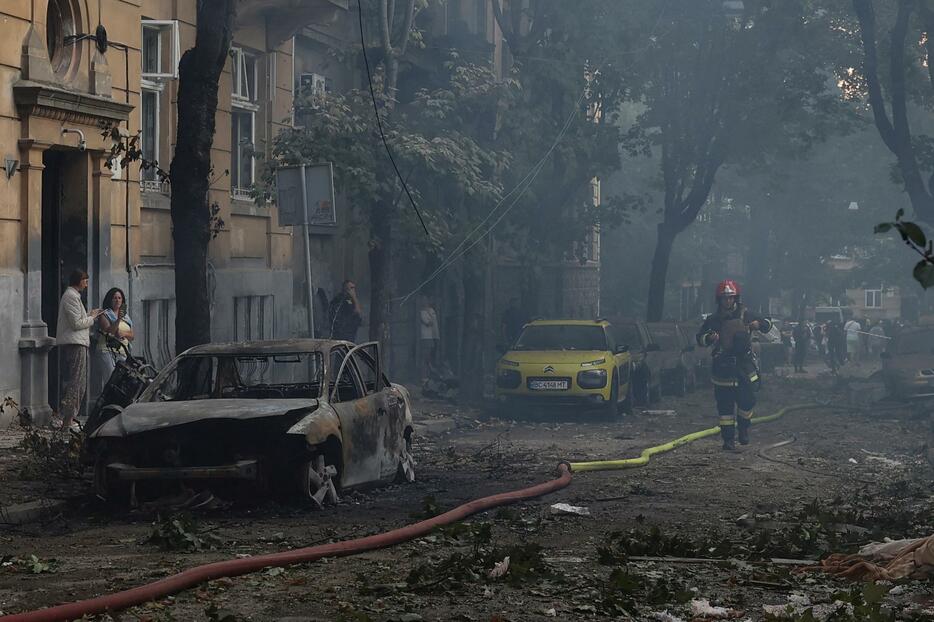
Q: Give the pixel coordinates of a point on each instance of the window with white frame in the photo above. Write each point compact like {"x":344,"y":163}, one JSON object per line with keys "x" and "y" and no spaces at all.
{"x":160,"y":53}
{"x":873,"y":298}
{"x":244,"y":105}
{"x":149,"y":138}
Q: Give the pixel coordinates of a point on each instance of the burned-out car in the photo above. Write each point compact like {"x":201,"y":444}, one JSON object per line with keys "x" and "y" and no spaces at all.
{"x":304,"y":416}
{"x":908,"y":363}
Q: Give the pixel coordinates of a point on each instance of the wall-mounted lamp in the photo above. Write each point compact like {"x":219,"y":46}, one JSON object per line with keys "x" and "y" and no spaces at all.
{"x":82,"y":144}
{"x":9,"y":165}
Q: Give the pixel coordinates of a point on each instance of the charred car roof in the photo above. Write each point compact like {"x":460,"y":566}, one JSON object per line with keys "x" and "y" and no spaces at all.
{"x":278,"y":346}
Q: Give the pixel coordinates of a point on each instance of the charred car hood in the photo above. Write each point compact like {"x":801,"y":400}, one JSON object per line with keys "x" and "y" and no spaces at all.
{"x":146,"y":417}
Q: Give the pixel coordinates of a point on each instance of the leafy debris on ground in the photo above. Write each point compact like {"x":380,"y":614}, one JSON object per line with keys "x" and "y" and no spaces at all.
{"x":180,"y":532}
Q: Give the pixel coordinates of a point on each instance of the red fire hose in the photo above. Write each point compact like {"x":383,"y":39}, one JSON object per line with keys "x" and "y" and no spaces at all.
{"x":235,"y":567}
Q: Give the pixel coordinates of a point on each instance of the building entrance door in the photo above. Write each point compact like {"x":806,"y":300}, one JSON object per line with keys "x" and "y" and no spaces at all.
{"x":64,"y":240}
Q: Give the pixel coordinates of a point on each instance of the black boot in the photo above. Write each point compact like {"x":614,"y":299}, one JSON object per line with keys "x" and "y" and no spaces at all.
{"x":743,"y":424}
{"x":726,"y":433}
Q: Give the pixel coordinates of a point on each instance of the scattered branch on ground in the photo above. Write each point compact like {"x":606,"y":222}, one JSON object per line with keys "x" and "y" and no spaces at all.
{"x":181,"y":533}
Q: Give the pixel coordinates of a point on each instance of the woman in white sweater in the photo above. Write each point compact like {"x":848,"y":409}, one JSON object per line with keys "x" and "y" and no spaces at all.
{"x":73,"y":340}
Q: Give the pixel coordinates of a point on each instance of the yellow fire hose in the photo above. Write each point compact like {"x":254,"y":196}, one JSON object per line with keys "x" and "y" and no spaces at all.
{"x":643,"y":459}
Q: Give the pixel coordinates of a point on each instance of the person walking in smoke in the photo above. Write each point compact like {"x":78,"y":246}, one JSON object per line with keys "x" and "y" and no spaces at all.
{"x":802,"y":335}
{"x":734,"y":371}
{"x":345,"y":313}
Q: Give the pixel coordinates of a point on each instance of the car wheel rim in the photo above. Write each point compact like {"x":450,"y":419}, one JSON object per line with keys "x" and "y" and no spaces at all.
{"x":318,"y":482}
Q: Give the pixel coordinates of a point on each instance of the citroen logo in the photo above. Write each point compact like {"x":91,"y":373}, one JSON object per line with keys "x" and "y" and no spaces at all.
{"x":548,"y":369}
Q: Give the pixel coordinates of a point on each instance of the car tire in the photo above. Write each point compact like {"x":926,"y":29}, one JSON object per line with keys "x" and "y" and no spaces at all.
{"x":642,"y":391}
{"x":318,"y":480}
{"x":625,"y":407}
{"x":611,"y":408}
{"x":405,"y":472}
{"x":106,"y":487}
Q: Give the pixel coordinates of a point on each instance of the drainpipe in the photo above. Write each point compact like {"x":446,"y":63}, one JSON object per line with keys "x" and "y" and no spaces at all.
{"x":126,"y":196}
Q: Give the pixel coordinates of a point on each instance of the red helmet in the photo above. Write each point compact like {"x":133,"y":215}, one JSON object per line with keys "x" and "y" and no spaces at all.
{"x":727,"y":288}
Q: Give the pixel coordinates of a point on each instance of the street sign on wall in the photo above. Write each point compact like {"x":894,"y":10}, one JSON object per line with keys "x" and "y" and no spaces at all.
{"x":318,"y":195}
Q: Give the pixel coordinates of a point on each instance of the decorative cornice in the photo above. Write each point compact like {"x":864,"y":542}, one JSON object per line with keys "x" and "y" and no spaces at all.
{"x":34,"y":99}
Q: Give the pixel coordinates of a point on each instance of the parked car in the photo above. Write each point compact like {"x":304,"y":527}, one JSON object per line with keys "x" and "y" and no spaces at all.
{"x":646,"y":363}
{"x":310,"y":415}
{"x":769,"y":348}
{"x":908,"y":364}
{"x":566,"y":362}
{"x":678,"y":363}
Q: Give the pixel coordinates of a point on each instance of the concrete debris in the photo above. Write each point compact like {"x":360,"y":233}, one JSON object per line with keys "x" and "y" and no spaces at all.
{"x":664,"y":616}
{"x":887,"y":561}
{"x":853,"y":461}
{"x":499,"y":569}
{"x":564,"y":508}
{"x":550,"y":613}
{"x":798,"y":604}
{"x":701,"y":608}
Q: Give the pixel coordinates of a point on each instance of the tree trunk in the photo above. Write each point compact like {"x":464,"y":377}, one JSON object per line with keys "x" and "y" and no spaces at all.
{"x":199,"y":72}
{"x":380,"y":256}
{"x":659,"y":275}
{"x":471,"y":371}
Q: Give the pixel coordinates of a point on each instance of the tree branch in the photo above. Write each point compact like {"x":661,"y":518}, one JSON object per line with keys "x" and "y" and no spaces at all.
{"x":867,"y":24}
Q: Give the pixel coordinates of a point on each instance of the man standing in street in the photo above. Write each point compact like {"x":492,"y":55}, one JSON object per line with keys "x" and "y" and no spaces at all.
{"x":733,"y":370}
{"x":73,"y":339}
{"x":852,"y":329}
{"x":345,"y":313}
{"x":430,"y":336}
{"x":802,"y":335}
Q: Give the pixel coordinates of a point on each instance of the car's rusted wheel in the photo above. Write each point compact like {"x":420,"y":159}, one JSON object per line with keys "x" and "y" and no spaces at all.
{"x":106,"y":486}
{"x":406,"y":470}
{"x":316,"y":481}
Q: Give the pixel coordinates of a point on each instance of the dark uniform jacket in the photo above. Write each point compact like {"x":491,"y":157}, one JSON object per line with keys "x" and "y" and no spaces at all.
{"x":733,"y":359}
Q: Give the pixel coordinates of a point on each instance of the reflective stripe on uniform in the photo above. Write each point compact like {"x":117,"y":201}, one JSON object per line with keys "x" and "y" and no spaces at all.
{"x":726,"y":421}
{"x":724,"y":383}
{"x":753,"y":377}
{"x":745,"y":414}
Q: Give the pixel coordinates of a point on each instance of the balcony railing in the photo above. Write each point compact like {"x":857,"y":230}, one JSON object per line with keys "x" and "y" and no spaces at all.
{"x":154,"y":185}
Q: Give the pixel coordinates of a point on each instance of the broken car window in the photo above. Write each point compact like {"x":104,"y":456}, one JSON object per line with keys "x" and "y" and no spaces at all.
{"x":200,"y":377}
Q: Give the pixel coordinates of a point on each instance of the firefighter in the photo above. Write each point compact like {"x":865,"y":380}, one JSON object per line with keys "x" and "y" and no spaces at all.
{"x":734,"y":370}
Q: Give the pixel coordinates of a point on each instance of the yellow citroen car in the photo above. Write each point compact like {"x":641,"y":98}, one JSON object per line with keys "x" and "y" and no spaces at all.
{"x":566,"y":363}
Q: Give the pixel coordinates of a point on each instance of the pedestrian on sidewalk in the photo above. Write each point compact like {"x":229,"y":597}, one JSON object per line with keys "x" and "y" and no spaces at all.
{"x":72,"y":337}
{"x":802,"y":335}
{"x":852,"y":329}
{"x":430,"y":336}
{"x":878,"y":339}
{"x":345,"y":313}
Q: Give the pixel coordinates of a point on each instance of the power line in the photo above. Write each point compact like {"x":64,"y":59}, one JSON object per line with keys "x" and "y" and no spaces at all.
{"x":379,"y":122}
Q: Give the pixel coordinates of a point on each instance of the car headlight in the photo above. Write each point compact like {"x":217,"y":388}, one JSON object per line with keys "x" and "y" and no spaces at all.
{"x":594,"y":363}
{"x":591,"y":379}
{"x":508,"y":363}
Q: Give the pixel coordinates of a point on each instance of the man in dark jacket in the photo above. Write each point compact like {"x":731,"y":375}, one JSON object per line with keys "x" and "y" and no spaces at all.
{"x":802,"y":335}
{"x":734,"y":370}
{"x":345,"y":313}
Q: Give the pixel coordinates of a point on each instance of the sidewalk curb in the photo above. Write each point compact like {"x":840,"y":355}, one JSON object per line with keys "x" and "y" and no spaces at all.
{"x":30,"y":511}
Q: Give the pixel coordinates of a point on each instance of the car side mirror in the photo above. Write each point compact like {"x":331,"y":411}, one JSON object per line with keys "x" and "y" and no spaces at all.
{"x":653,"y":347}
{"x":622,"y":349}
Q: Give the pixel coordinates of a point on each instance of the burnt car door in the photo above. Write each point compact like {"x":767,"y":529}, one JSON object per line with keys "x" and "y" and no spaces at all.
{"x":361,"y":438}
{"x":390,"y":407}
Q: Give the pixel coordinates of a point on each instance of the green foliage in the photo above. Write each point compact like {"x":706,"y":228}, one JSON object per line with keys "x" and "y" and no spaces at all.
{"x":180,"y":532}
{"x":913,"y":237}
{"x":31,"y":565}
{"x":48,"y":454}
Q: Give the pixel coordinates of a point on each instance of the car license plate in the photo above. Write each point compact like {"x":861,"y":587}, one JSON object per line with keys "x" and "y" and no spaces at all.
{"x":549,"y":385}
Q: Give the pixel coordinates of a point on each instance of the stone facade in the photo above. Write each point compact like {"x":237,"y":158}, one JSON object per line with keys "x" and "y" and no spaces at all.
{"x":62,"y":208}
